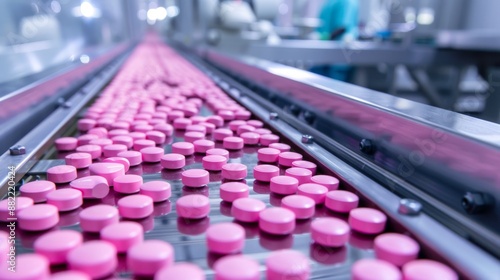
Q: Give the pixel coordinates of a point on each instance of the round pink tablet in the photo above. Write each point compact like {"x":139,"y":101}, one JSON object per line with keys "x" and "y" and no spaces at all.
{"x":302,"y":206}
{"x":61,"y":174}
{"x":137,"y":135}
{"x":255,"y":123}
{"x":226,"y":115}
{"x":99,"y":131}
{"x":91,"y":186}
{"x":330,"y":182}
{"x":28,"y":267}
{"x":301,"y":174}
{"x":247,"y":209}
{"x":250,"y":138}
{"x":101,"y":142}
{"x":95,"y":151}
{"x":69,"y":275}
{"x":183,"y":148}
{"x":146,"y":258}
{"x":237,"y":267}
{"x":157,"y":190}
{"x":85,"y":139}
{"x":233,"y":143}
{"x":192,"y":136}
{"x":284,"y":185}
{"x":123,"y":235}
{"x":107,"y":170}
{"x":134,"y":157}
{"x":428,"y":270}
{"x":396,"y":248}
{"x":287,"y":158}
{"x":156,"y":136}
{"x":195,"y":178}
{"x":225,"y":238}
{"x":66,"y":143}
{"x":164,"y":128}
{"x":196,"y":128}
{"x":135,"y":206}
{"x":113,"y":150}
{"x":56,"y":245}
{"x":306,"y":165}
{"x":143,"y":143}
{"x":287,"y":264}
{"x":65,"y":199}
{"x":242,"y":115}
{"x":221,"y":133}
{"x":341,"y":201}
{"x":79,"y":160}
{"x":280,"y":146}
{"x":369,"y":269}
{"x":209,"y":127}
{"x":86,"y":124}
{"x":213,"y":162}
{"x":38,"y":217}
{"x":277,"y":220}
{"x":172,"y":116}
{"x":330,"y":232}
{"x":123,"y":140}
{"x":314,"y":191}
{"x":37,"y":190}
{"x":181,"y":123}
{"x":234,"y":171}
{"x":268,"y":155}
{"x":7,"y":205}
{"x":173,"y":161}
{"x":367,"y":220}
{"x":233,"y":125}
{"x":264,"y":172}
{"x":202,"y":146}
{"x":193,"y":206}
{"x":245,"y":129}
{"x":233,"y":190}
{"x":268,"y":139}
{"x":220,"y":152}
{"x":96,"y":258}
{"x":121,"y":160}
{"x":218,"y":121}
{"x":263,"y":131}
{"x":180,"y":271}
{"x":152,"y":154}
{"x":96,"y":217}
{"x":128,"y":183}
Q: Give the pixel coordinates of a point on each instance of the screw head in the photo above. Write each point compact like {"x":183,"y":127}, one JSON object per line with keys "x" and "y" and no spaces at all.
{"x":307,"y":139}
{"x":17,"y":150}
{"x":367,"y":146}
{"x":475,"y":202}
{"x":273,"y":116}
{"x":409,"y":207}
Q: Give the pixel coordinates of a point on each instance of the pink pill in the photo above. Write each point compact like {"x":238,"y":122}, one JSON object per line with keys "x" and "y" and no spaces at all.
{"x":330,"y":232}
{"x":367,"y":220}
{"x":91,"y":186}
{"x":233,"y":190}
{"x":242,"y":115}
{"x":65,"y":199}
{"x":264,"y":172}
{"x":164,"y":128}
{"x":195,"y":178}
{"x":220,"y":152}
{"x":277,"y":220}
{"x":226,"y":115}
{"x":157,"y":190}
{"x":202,"y":146}
{"x":396,"y":248}
{"x":268,"y":155}
{"x":37,"y":190}
{"x":85,"y":139}
{"x":246,"y":129}
{"x":128,"y":183}
{"x":38,"y":217}
{"x":197,"y":119}
{"x":250,"y":138}
{"x":69,"y":275}
{"x":113,"y":150}
{"x":180,"y":271}
{"x":330,"y":182}
{"x":193,"y":206}
{"x":234,"y":171}
{"x":280,"y":146}
{"x":137,"y":135}
{"x":221,"y":133}
{"x":196,"y":128}
{"x":56,"y":245}
{"x":95,"y":151}
{"x":225,"y":238}
{"x":263,"y":131}
{"x":314,"y":191}
{"x":86,"y":124}
{"x":428,"y":270}
{"x":173,"y":161}
{"x":218,"y":121}
{"x":6,"y":206}
{"x":368,"y":269}
{"x":123,"y":235}
{"x":287,"y":264}
{"x":102,"y":142}
{"x":66,"y":143}
{"x":79,"y":160}
{"x":284,"y":185}
{"x":181,"y":123}
{"x":135,"y":206}
{"x":306,"y":165}
{"x":99,"y":131}
{"x":236,"y":267}
{"x":117,"y":132}
{"x":183,"y":148}
{"x":301,"y":174}
{"x":341,"y":201}
{"x":268,"y":139}
{"x":123,"y":140}
{"x":213,"y":162}
{"x":209,"y":127}
{"x":233,"y":143}
{"x":233,"y":125}
{"x":156,"y":136}
{"x":96,"y":258}
{"x":247,"y":209}
{"x":172,"y":116}
{"x":143,"y":143}
{"x":302,"y":206}
{"x":133,"y":157}
{"x":287,"y":158}
{"x":28,"y":267}
{"x":121,"y":160}
{"x":107,"y":170}
{"x":255,"y":123}
{"x":152,"y":154}
{"x":192,"y":136}
{"x":96,"y":217}
{"x":61,"y":174}
{"x":146,"y":258}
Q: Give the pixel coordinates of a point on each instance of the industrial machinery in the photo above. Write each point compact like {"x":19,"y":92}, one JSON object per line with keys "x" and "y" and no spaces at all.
{"x":429,"y":174}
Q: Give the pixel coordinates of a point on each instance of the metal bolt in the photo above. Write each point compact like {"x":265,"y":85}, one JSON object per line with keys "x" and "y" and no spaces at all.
{"x":17,"y":150}
{"x":475,"y":202}
{"x":409,"y":207}
{"x":307,"y":139}
{"x":367,"y":146}
{"x":273,"y":116}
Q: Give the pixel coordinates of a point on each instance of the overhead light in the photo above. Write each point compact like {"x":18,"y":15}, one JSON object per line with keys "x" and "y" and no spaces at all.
{"x":84,"y":59}
{"x":87,"y":10}
{"x":161,"y":13}
{"x":172,"y":11}
{"x":425,"y":16}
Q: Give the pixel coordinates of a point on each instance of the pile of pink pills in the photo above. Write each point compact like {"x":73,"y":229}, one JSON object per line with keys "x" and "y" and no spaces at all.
{"x":147,"y":154}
